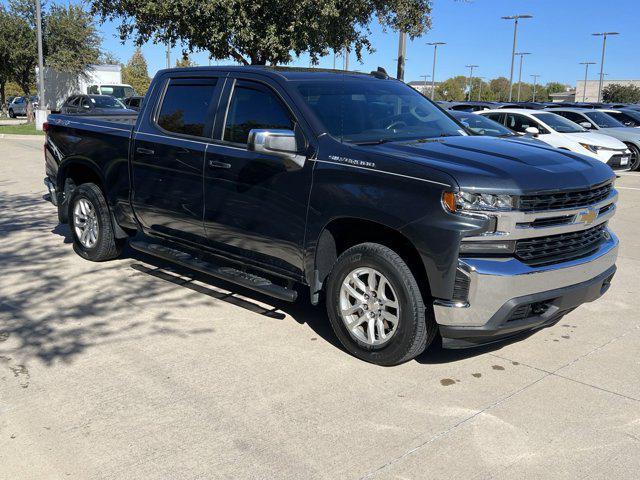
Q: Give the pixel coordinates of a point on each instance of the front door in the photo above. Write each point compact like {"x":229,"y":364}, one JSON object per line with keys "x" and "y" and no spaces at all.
{"x":256,"y":203}
{"x":168,"y":157}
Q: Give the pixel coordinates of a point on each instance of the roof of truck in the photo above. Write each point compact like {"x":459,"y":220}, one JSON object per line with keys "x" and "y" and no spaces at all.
{"x":287,"y":73}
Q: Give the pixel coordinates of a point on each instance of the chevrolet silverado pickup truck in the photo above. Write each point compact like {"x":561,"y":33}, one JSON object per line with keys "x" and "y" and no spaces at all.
{"x":408,"y":226}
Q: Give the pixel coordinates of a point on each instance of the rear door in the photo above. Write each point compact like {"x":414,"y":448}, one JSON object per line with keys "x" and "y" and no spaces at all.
{"x":168,"y":155}
{"x":256,"y":203}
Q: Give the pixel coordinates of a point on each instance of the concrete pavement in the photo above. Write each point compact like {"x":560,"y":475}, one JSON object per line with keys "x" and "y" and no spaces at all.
{"x":132,"y":369}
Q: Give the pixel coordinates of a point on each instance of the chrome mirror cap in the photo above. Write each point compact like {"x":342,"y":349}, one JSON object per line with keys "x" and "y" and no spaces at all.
{"x":281,"y":143}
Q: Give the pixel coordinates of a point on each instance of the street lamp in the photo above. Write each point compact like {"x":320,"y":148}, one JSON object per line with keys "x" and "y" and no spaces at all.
{"x":535,"y":84}
{"x":470,"y":67}
{"x":521,"y":55}
{"x":604,"y":36}
{"x":515,"y":18}
{"x":433,"y":71}
{"x":42,"y":108}
{"x":586,"y":73}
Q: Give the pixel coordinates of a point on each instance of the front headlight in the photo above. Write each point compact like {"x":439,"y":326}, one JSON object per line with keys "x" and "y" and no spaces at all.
{"x":592,"y":148}
{"x":461,"y":202}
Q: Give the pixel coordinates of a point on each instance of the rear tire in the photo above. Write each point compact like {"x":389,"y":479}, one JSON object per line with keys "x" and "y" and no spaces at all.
{"x":90,"y":223}
{"x":392,"y":341}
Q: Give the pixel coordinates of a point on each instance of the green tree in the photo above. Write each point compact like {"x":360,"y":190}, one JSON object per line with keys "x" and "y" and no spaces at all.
{"x":499,"y":88}
{"x":136,"y":73}
{"x":452,"y":89}
{"x":555,"y":87}
{"x":263,"y":31}
{"x":70,"y":41}
{"x":621,"y":93}
{"x":185,"y":61}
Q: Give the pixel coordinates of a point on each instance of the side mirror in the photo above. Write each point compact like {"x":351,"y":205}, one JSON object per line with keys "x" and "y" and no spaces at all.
{"x":281,"y":143}
{"x":533,"y":131}
{"x":586,"y":125}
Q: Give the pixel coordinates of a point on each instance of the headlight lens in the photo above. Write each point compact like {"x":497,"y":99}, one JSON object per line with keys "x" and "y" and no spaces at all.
{"x":591,"y":148}
{"x":478,"y":202}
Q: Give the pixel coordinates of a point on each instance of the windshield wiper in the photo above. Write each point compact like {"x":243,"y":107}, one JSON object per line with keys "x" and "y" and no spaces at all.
{"x":375,"y":142}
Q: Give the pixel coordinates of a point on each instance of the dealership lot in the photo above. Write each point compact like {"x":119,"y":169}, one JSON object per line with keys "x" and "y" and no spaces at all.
{"x":134,"y":369}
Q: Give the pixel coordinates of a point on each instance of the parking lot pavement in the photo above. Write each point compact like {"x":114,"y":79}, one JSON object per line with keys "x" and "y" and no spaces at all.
{"x":132,"y":369}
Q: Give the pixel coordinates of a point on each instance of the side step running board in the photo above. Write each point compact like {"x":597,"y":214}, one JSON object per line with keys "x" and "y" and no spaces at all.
{"x":229,"y":274}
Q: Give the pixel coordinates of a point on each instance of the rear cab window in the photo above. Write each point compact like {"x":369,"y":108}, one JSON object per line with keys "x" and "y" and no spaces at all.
{"x":186,"y":106}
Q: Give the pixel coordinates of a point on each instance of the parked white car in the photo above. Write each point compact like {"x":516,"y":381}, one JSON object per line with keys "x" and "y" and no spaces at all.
{"x":562,"y":133}
{"x":605,"y":124}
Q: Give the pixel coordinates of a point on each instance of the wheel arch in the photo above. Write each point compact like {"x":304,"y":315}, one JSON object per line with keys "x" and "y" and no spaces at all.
{"x":341,"y":233}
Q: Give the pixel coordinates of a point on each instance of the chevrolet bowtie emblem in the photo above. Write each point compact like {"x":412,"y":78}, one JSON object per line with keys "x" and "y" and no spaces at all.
{"x":588,"y":217}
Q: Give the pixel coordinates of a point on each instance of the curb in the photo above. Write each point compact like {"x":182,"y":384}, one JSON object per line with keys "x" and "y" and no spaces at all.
{"x":9,"y":136}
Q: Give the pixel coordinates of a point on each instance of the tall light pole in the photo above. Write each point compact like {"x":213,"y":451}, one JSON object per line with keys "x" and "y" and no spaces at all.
{"x":346,"y":57}
{"x":470,"y":67}
{"x":515,"y":18}
{"x":586,"y":74}
{"x":402,"y":52}
{"x":535,"y":84}
{"x":433,"y":71}
{"x":521,"y":55}
{"x":604,"y":36}
{"x":41,"y":101}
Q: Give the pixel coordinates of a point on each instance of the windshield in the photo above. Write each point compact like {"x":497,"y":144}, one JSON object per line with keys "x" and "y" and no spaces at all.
{"x":629,"y":118}
{"x":106,"y":102}
{"x":558,"y":123}
{"x":603,"y":120}
{"x":483,"y":125}
{"x":118,"y":91}
{"x":374,"y":111}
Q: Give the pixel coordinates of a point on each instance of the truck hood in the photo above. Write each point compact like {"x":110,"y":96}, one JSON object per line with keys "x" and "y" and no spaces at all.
{"x":490,"y":164}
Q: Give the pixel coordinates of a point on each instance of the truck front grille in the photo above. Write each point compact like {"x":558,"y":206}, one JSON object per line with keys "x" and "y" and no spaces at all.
{"x":558,"y":201}
{"x":560,"y":248}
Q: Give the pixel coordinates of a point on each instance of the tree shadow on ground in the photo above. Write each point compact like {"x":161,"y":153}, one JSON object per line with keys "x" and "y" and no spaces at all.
{"x":54,"y":305}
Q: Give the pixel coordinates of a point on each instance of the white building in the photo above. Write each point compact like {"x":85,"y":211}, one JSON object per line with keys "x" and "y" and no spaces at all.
{"x":422,"y":86}
{"x":591,"y":92}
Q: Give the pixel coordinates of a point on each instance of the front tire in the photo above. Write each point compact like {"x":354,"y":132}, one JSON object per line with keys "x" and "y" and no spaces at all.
{"x":635,"y":157}
{"x":90,"y":223}
{"x":376,"y":308}
{"x":11,"y":114}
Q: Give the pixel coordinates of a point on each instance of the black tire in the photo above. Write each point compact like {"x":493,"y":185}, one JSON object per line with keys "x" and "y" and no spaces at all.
{"x":634,"y":163}
{"x":107,"y":246}
{"x":11,"y":114}
{"x":416,"y":327}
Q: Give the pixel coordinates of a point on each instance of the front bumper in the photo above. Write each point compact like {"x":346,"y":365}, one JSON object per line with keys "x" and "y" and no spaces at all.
{"x":501,"y":289}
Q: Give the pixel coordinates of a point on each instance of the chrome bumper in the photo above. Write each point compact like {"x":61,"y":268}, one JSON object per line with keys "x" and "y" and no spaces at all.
{"x":494,"y":282}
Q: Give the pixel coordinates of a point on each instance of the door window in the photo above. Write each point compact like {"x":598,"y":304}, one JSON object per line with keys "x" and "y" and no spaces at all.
{"x":573,"y":116}
{"x":254,"y":106}
{"x":520,"y":123}
{"x":186,"y":106}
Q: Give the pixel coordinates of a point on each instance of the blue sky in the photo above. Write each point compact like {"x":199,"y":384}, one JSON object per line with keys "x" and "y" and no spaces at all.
{"x":559,"y":37}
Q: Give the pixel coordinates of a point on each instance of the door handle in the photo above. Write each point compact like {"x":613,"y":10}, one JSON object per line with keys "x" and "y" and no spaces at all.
{"x":145,"y":151}
{"x":217,"y":164}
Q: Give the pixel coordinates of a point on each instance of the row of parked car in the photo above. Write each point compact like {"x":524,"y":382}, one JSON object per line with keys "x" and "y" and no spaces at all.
{"x":94,"y":104}
{"x":609,"y":133}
